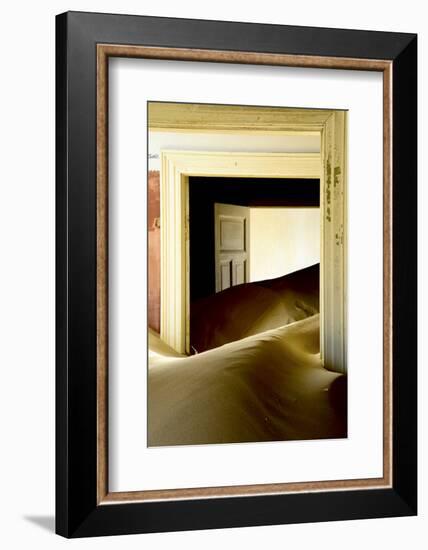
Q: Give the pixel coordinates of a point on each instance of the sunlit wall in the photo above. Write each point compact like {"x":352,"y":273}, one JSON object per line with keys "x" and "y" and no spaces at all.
{"x":283,"y":240}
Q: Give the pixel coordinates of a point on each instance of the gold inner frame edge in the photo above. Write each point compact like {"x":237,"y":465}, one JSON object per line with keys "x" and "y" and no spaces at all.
{"x":104,"y":51}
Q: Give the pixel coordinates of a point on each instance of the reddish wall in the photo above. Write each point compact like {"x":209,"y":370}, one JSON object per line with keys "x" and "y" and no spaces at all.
{"x":153,"y":216}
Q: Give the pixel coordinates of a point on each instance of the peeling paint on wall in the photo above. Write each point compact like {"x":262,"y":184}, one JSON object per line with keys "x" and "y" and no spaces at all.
{"x":328,"y":188}
{"x":337,"y":173}
{"x":339,"y":236}
{"x":153,"y":226}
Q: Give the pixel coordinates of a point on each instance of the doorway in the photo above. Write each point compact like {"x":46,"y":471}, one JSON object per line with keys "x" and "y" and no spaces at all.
{"x":205,"y":192}
{"x":238,"y":230}
{"x":176,"y":169}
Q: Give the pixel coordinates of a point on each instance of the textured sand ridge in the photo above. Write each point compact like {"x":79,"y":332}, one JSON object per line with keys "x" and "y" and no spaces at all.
{"x":252,"y":308}
{"x":269,"y":386}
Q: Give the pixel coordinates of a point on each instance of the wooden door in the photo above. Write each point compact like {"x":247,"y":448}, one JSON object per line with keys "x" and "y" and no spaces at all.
{"x":232,"y":232}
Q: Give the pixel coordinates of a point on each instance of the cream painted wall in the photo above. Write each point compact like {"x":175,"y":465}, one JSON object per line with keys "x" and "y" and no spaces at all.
{"x":196,"y":141}
{"x":283,"y":240}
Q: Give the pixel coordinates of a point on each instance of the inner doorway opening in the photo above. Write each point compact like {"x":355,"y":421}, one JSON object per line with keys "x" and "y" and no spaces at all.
{"x":254,"y":251}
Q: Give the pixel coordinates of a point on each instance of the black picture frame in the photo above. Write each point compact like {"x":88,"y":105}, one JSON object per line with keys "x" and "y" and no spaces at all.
{"x":77,"y":511}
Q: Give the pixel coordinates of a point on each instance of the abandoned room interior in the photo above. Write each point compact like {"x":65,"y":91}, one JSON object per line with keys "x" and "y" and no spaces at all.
{"x":246,"y":252}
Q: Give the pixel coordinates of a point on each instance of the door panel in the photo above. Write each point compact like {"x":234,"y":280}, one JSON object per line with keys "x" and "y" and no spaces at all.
{"x":232,"y":233}
{"x":225,"y":274}
{"x":232,"y":229}
{"x":239,"y":273}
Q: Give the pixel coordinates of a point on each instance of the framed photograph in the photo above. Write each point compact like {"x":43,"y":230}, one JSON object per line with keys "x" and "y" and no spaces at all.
{"x":236,"y":274}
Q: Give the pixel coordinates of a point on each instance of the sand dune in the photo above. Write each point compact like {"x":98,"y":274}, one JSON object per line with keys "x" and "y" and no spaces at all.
{"x":266,"y":387}
{"x":253,"y":308}
{"x":258,"y":374}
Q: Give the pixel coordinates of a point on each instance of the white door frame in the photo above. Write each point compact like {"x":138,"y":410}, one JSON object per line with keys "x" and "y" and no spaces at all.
{"x":329,"y":166}
{"x":176,"y":167}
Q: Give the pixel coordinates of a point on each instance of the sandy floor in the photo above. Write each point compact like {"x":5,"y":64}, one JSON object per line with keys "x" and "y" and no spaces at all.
{"x":267,"y":387}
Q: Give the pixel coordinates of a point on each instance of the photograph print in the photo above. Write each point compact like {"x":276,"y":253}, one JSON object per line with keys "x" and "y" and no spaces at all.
{"x":246,"y":261}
